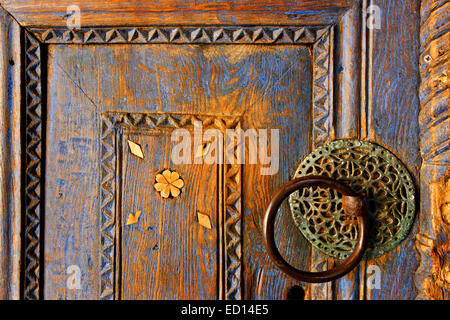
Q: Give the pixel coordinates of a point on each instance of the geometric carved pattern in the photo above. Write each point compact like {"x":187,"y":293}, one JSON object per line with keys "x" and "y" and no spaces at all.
{"x":107,"y":210}
{"x":177,"y":34}
{"x":322,"y":100}
{"x":369,"y":170}
{"x":232,"y":216}
{"x":233,"y":229}
{"x":33,"y":168}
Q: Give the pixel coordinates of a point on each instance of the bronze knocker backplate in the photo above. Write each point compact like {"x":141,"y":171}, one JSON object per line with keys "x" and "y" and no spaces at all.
{"x":368,"y":169}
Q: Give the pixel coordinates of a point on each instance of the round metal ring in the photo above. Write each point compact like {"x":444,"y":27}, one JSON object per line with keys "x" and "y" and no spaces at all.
{"x":353,"y":204}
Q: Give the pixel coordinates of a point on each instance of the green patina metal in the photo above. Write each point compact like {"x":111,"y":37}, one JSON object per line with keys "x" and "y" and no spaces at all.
{"x":368,"y":169}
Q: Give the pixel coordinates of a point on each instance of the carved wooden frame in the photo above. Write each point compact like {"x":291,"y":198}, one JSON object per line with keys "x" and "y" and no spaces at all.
{"x":230,"y":213}
{"x":33,"y":176}
{"x":319,"y":37}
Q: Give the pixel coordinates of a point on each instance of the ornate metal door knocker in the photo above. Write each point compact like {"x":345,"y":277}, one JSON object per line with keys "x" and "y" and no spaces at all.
{"x":332,"y":186}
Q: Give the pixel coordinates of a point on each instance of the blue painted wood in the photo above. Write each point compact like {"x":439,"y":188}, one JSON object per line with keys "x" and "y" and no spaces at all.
{"x":247,"y":81}
{"x":271,"y":88}
{"x":393,"y":122}
{"x":10,"y":157}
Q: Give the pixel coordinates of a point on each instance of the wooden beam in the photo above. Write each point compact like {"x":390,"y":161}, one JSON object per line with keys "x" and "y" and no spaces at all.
{"x":10,"y":179}
{"x":134,"y":13}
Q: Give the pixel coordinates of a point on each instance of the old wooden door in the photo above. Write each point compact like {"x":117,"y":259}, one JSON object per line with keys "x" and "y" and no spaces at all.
{"x":100,"y":200}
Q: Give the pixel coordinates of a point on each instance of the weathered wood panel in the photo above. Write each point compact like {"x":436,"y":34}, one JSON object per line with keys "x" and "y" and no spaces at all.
{"x":10,"y":157}
{"x":168,"y":254}
{"x":392,"y":115}
{"x":72,"y":184}
{"x":286,"y":105}
{"x":135,"y":13}
{"x":243,"y":79}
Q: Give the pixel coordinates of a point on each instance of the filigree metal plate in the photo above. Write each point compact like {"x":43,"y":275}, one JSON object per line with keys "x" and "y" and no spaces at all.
{"x":368,"y":169}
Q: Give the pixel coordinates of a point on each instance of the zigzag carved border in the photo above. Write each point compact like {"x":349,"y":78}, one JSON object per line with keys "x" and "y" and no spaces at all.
{"x":33,"y":169}
{"x":232,"y":235}
{"x":322,"y":96}
{"x":185,"y":34}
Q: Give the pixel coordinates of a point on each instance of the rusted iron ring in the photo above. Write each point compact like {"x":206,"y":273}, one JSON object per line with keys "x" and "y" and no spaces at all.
{"x":353,"y":204}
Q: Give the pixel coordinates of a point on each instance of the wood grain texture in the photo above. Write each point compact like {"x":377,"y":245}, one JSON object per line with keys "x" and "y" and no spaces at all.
{"x":347,"y":66}
{"x":392,"y":121}
{"x":233,"y":80}
{"x":347,"y":118}
{"x":71,"y":187}
{"x":168,"y":254}
{"x":135,"y":13}
{"x":377,"y":101}
{"x":10,"y":158}
{"x":433,"y":275}
{"x":286,"y":105}
{"x":226,"y":269}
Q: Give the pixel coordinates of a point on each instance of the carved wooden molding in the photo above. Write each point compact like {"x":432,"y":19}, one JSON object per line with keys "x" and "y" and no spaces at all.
{"x":33,"y":169}
{"x":322,"y":85}
{"x":185,"y":34}
{"x":231,"y":237}
{"x":433,"y":274}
